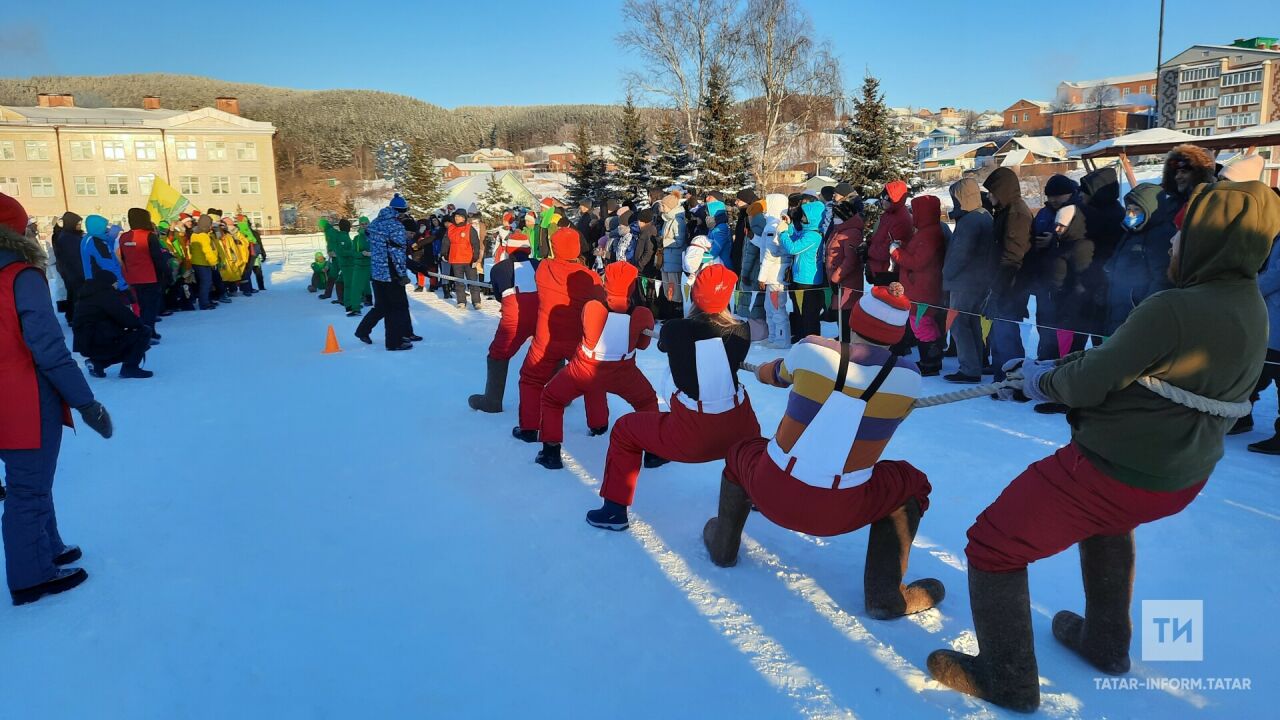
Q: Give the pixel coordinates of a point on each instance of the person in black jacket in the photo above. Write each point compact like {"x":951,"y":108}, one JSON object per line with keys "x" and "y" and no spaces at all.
{"x":590,"y":228}
{"x":107,"y":332}
{"x":1104,"y":228}
{"x":66,"y":254}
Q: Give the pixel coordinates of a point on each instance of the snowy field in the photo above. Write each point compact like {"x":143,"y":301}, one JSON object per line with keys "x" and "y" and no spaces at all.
{"x":276,"y":533}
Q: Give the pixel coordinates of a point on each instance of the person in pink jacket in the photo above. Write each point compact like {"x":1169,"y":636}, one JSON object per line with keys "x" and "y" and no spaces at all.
{"x":894,"y":227}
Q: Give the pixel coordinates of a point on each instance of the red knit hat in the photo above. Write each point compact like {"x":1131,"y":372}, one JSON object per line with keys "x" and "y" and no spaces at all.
{"x":619,"y":282}
{"x":713,"y":288}
{"x":565,"y":244}
{"x":880,"y":316}
{"x":12,"y":214}
{"x":896,"y":190}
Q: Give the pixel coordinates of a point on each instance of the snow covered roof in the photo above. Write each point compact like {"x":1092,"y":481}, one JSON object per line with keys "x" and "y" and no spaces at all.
{"x":1152,"y":141}
{"x":1114,"y":80}
{"x":465,"y":192}
{"x":1043,"y":145}
{"x":955,"y":152}
{"x":203,"y":118}
{"x":1015,"y":158}
{"x":474,"y":167}
{"x":945,"y":130}
{"x":817,"y":182}
{"x":1271,"y":128}
{"x":441,"y":162}
{"x":549,"y":150}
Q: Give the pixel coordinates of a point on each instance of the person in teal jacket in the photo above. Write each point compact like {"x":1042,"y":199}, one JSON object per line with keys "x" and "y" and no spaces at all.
{"x":803,"y":243}
{"x":719,"y":235}
{"x":357,"y":276}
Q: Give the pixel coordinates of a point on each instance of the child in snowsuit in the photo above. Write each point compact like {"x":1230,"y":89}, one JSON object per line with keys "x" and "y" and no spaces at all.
{"x":612,"y":332}
{"x":767,"y":228}
{"x":565,"y":285}
{"x":514,"y":285}
{"x":842,"y":396}
{"x":319,"y":273}
{"x":710,"y":411}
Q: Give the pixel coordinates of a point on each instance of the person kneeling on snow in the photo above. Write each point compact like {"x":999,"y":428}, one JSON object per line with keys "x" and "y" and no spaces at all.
{"x":612,"y":332}
{"x":821,"y":474}
{"x":514,"y":285}
{"x":319,"y":273}
{"x":1134,"y":456}
{"x":107,"y":332}
{"x":710,"y":411}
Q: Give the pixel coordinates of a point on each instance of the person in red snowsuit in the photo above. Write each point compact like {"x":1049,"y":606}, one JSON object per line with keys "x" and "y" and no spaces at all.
{"x":710,"y":411}
{"x":844,"y":266}
{"x":612,"y":332}
{"x":514,"y":285}
{"x":565,"y":285}
{"x":919,"y":262}
{"x":894,"y":226}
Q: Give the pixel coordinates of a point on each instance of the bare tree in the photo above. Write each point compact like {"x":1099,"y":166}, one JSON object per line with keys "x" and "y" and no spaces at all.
{"x":970,"y":126}
{"x":793,"y":77}
{"x":679,"y":41}
{"x":1101,"y":123}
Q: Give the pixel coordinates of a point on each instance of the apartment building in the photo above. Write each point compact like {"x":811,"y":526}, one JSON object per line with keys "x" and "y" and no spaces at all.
{"x":56,"y":157}
{"x":1217,"y":89}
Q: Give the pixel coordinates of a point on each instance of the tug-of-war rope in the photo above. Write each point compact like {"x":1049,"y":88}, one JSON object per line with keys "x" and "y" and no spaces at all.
{"x":1013,"y":379}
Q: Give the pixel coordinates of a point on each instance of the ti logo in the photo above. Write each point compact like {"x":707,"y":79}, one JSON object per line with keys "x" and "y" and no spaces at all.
{"x":1172,"y":630}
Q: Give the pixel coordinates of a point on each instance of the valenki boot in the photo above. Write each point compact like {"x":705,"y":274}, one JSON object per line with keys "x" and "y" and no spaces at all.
{"x":495,"y":387}
{"x":1004,"y":672}
{"x":723,"y":533}
{"x":1102,"y":636}
{"x":888,"y":549}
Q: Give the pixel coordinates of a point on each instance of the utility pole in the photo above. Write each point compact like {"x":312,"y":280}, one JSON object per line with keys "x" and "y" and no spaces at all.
{"x":1159,"y":60}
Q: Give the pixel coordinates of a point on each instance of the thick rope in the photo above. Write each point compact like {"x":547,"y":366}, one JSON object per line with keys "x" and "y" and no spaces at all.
{"x":1186,"y":398}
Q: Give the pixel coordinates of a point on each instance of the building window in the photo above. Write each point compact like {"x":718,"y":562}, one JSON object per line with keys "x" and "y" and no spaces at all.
{"x":1204,"y":112}
{"x":81,"y":149}
{"x":189,"y":185}
{"x":42,"y":187}
{"x":6,"y":150}
{"x":1015,"y":119}
{"x":246,"y":151}
{"x":1207,"y":72}
{"x":117,"y":184}
{"x":254,"y":218}
{"x":220,"y":185}
{"x":1199,"y":130}
{"x":1244,"y":98}
{"x":86,"y":185}
{"x":250,"y":185}
{"x":145,"y":149}
{"x":1124,"y":92}
{"x":9,"y":186}
{"x":145,"y":182}
{"x":1193,"y":94}
{"x":113,"y":150}
{"x":216,"y":150}
{"x":185,"y":149}
{"x":1244,"y":77}
{"x":37,"y":150}
{"x":1142,"y":89}
{"x":1238,"y":120}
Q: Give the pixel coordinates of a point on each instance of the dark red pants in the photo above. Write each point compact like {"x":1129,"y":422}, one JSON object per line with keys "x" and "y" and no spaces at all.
{"x":1057,"y":502}
{"x":804,"y":508}
{"x":595,"y":380}
{"x":682,"y":435}
{"x":515,"y":326}
{"x":540,"y":364}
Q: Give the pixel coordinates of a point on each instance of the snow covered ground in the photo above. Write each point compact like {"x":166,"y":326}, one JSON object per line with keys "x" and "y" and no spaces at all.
{"x":279,"y":533}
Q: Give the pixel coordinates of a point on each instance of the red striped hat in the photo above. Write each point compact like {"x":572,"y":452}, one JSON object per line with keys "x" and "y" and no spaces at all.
{"x":880,"y":316}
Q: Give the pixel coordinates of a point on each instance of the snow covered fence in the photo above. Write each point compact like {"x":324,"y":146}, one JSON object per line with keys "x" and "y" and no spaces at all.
{"x":293,"y":249}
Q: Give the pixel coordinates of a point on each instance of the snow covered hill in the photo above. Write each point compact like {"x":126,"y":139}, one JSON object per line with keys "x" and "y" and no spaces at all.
{"x":276,"y":533}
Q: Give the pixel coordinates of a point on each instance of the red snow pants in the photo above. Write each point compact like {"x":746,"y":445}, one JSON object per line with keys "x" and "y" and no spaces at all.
{"x":540,"y":364}
{"x":798,"y":506}
{"x":1057,"y":502}
{"x":682,"y":435}
{"x":515,"y":326}
{"x":594,"y":379}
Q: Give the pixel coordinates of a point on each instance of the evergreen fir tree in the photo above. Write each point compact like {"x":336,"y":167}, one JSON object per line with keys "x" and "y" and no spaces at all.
{"x":494,"y":201}
{"x":587,"y":177}
{"x":423,"y":187}
{"x":671,"y":162}
{"x":723,"y":162}
{"x":876,"y":150}
{"x":634,"y":176}
{"x":391,"y":160}
{"x":493,"y":136}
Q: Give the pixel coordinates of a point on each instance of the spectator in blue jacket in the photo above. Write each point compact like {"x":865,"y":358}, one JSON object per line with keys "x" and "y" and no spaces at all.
{"x":802,"y":243}
{"x":98,"y":250}
{"x":718,"y":232}
{"x":388,"y":237}
{"x":39,"y":385}
{"x":1140,"y":266}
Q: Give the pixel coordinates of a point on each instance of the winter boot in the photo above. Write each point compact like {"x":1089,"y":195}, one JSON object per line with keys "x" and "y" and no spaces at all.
{"x":653,"y":461}
{"x":495,"y":386}
{"x":723,"y":533}
{"x":1004,"y":672}
{"x":1051,"y":408}
{"x":134,"y":372}
{"x":95,"y":370}
{"x":413,"y":338}
{"x":1270,"y":446}
{"x":63,"y":580}
{"x":888,"y":548}
{"x":529,"y":436}
{"x":1243,"y":425}
{"x":69,"y":555}
{"x":610,"y":516}
{"x":597,"y":432}
{"x":1102,"y":636}
{"x":549,"y":456}
{"x":962,"y":379}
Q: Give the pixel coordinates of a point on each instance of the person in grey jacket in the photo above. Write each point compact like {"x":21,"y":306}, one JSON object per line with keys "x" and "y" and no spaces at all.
{"x":674,"y":240}
{"x":972,"y":258}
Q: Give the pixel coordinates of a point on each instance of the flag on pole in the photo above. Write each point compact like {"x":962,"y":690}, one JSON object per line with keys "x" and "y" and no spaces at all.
{"x":165,"y":203}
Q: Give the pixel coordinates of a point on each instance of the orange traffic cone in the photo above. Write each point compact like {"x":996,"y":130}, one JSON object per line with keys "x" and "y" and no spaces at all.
{"x":331,"y":343}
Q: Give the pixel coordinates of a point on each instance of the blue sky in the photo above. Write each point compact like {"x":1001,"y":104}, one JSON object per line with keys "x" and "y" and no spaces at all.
{"x":983,"y":54}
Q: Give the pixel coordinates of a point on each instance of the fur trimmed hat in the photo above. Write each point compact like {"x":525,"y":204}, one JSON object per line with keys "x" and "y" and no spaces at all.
{"x":880,"y":316}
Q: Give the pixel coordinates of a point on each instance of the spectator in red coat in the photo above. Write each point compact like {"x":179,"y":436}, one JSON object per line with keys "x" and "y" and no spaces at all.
{"x":919,"y":261}
{"x":894,"y":227}
{"x":844,"y":266}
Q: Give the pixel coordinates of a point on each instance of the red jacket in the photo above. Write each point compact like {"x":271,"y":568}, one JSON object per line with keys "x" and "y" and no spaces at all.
{"x":920,"y":258}
{"x":894,"y":226}
{"x":460,"y":250}
{"x":19,"y":385}
{"x":594,"y":317}
{"x":564,"y":287}
{"x":136,"y":257}
{"x":844,"y":267}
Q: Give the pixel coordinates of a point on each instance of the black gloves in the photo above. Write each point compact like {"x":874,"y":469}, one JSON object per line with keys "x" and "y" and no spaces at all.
{"x":97,"y":417}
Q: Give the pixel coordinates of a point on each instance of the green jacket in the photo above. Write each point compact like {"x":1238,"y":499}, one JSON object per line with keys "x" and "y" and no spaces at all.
{"x":319,"y":274}
{"x":1207,"y":335}
{"x":360,"y":246}
{"x":336,"y":243}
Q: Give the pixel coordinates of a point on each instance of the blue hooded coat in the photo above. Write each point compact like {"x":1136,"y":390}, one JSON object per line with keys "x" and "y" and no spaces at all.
{"x":386,"y":246}
{"x":719,"y":235}
{"x":98,"y":250}
{"x":803,"y":244}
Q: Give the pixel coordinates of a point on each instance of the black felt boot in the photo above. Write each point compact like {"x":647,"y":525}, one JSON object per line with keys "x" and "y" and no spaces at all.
{"x":1102,"y":636}
{"x":495,"y":386}
{"x":723,"y":533}
{"x":888,"y":549}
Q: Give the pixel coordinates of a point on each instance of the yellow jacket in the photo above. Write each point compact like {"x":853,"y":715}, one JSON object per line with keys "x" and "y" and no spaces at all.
{"x":233,"y":255}
{"x":201,"y":250}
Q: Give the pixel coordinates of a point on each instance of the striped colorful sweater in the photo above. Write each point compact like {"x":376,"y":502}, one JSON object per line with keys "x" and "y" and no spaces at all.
{"x":810,"y":369}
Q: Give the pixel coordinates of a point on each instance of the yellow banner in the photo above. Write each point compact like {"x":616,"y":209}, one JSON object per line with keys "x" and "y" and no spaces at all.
{"x":165,"y":203}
